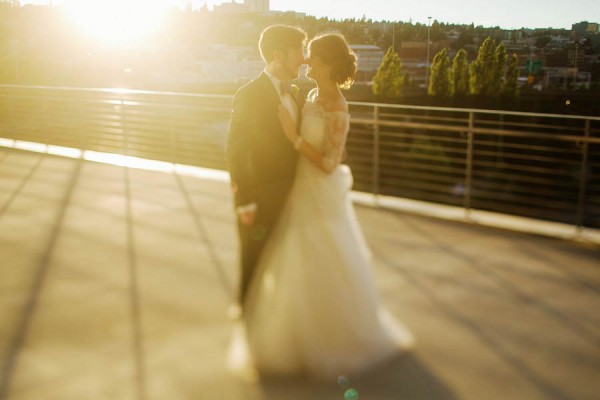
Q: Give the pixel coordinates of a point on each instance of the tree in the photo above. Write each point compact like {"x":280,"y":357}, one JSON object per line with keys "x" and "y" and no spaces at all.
{"x":488,"y":70}
{"x":440,"y":83}
{"x":510,"y":88}
{"x":483,"y":69}
{"x":437,"y":31}
{"x":466,"y":36}
{"x":460,"y":73}
{"x":499,"y":68}
{"x":389,"y":79}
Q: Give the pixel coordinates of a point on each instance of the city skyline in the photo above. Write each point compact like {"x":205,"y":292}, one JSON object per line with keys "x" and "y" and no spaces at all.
{"x":509,"y":14}
{"x":513,"y":14}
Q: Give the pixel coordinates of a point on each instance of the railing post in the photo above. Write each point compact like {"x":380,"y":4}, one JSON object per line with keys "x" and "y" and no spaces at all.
{"x":122,"y":113}
{"x":579,"y":219}
{"x":469,"y":166}
{"x":83,"y":115}
{"x":12,"y":117}
{"x":171,"y":132}
{"x":375,"y":178}
{"x":78,"y":107}
{"x":45,"y":124}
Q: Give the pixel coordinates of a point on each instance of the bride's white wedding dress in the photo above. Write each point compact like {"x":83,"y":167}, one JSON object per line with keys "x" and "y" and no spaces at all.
{"x":312,"y":307}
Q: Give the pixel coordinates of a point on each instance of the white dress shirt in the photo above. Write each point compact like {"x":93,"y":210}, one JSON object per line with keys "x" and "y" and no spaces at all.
{"x":286,"y":98}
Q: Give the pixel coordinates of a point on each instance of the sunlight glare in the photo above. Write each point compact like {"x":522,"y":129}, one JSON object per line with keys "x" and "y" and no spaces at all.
{"x":117,"y":22}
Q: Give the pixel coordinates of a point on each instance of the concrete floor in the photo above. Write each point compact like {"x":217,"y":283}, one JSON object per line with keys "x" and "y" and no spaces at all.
{"x":114,"y":284}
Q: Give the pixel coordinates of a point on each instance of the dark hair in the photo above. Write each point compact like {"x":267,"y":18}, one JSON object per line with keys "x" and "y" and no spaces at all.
{"x":333,"y":50}
{"x":280,"y":37}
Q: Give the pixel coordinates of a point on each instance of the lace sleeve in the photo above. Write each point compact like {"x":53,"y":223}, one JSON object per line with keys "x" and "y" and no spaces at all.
{"x":337,"y":125}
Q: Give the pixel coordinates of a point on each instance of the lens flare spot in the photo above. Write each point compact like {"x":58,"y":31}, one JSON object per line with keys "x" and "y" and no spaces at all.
{"x":117,"y":22}
{"x":351,"y":394}
{"x":343,"y":381}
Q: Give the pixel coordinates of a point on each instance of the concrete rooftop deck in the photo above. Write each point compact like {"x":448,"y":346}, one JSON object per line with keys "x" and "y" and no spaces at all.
{"x":114,"y":284}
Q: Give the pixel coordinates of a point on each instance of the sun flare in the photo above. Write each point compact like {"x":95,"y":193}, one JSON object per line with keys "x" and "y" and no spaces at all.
{"x":117,"y":22}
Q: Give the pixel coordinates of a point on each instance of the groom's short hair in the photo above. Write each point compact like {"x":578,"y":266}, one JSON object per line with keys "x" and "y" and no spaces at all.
{"x":280,"y":37}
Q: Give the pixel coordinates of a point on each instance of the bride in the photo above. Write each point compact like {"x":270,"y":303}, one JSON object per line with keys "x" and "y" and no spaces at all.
{"x":312,"y":307}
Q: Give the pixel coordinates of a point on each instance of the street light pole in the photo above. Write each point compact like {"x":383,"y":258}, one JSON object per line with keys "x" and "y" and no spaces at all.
{"x":575,"y":66}
{"x":427,"y":61}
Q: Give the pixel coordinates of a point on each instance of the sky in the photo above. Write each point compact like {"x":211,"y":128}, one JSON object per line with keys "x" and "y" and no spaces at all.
{"x":508,"y":14}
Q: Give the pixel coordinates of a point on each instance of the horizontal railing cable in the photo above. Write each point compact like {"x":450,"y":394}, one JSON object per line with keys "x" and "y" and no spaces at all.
{"x":536,"y":165}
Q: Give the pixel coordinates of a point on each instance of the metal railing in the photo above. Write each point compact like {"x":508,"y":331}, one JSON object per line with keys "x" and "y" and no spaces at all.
{"x":541,"y":166}
{"x":173,"y":127}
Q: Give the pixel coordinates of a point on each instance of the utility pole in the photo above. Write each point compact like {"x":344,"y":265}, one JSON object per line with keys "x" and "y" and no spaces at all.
{"x":575,"y":65}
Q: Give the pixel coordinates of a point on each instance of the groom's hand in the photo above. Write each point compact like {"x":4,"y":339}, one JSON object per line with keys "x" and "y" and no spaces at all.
{"x":247,"y":217}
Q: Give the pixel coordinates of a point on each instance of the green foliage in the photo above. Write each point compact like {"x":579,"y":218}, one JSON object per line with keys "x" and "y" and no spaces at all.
{"x":499,"y":68}
{"x":483,"y":69}
{"x":437,"y":31}
{"x":389,"y":79}
{"x":488,"y":71}
{"x":439,"y":82}
{"x":460,"y":73}
{"x":510,"y":87}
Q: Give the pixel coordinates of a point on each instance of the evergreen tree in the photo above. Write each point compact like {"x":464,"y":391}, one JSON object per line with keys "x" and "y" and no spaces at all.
{"x":510,"y":88}
{"x":439,"y":82}
{"x":483,"y":69}
{"x":460,"y":73}
{"x":488,"y":71}
{"x":500,"y":57}
{"x":389,"y":79}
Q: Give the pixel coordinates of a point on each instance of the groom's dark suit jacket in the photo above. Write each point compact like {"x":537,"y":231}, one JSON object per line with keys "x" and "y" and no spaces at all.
{"x":262,"y":165}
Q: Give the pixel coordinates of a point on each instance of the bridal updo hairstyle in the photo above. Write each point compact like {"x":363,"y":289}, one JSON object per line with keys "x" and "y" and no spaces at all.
{"x":333,"y":50}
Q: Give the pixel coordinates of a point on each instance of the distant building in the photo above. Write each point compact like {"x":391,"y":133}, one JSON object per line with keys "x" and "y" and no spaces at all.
{"x":213,"y":64}
{"x":230,"y":8}
{"x":248,"y":6}
{"x":369,"y":58}
{"x":595,"y":41}
{"x":289,"y":14}
{"x":575,"y":56}
{"x":565,"y":78}
{"x":584,"y":28}
{"x":229,"y":64}
{"x":412,"y":50}
{"x":257,"y":6}
{"x":453,"y":35}
{"x":559,"y":42}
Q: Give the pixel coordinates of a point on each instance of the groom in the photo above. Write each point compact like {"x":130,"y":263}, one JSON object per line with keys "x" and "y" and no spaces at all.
{"x":261,"y":160}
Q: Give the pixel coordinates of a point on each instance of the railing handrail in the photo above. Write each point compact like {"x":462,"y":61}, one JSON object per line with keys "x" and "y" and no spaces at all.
{"x":352,"y":103}
{"x":473,"y":110}
{"x":120,"y":91}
